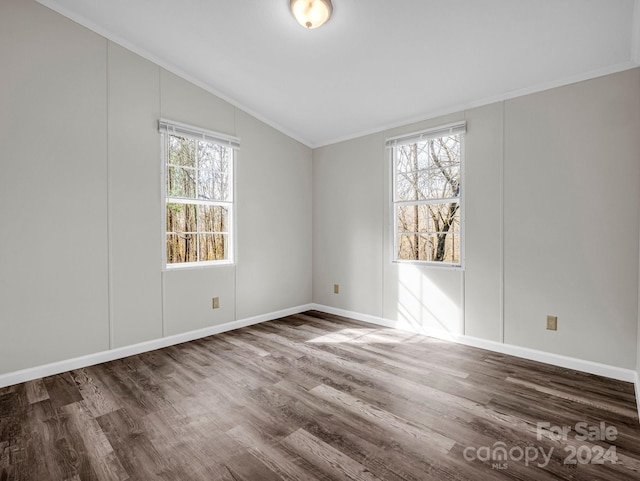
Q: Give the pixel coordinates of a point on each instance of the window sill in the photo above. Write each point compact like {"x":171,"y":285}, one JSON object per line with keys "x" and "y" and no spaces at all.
{"x":196,"y":265}
{"x":437,"y":265}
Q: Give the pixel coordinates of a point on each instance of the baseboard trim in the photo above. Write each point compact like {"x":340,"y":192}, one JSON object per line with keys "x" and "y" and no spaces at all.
{"x":559,"y":360}
{"x":121,"y":352}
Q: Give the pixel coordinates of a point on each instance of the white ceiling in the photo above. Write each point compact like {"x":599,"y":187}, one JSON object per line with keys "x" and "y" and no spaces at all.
{"x":376,"y":63}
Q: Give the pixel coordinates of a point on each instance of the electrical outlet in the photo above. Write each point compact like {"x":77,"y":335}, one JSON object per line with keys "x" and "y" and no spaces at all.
{"x":336,"y":288}
{"x":215,"y":303}
{"x":552,"y":323}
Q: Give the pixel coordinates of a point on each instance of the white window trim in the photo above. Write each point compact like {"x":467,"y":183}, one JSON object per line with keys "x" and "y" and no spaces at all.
{"x":166,"y":127}
{"x":391,"y":144}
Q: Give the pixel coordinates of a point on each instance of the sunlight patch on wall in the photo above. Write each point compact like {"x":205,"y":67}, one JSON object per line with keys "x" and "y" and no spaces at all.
{"x":426,"y":303}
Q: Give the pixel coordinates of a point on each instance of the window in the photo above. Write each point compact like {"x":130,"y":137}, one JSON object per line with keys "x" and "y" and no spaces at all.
{"x":427,"y":195}
{"x":199,"y":195}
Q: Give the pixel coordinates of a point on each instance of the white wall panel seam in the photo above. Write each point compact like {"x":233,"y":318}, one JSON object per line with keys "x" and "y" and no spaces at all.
{"x":110,"y":289}
{"x":502,"y":226}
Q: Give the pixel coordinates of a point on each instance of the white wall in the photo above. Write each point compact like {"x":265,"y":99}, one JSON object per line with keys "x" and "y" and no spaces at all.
{"x":483,"y":280}
{"x":552,"y":188}
{"x":348,"y":226}
{"x":134,"y":191}
{"x":81,"y":240}
{"x":572,"y":198}
{"x":274,"y":220}
{"x":53,"y":188}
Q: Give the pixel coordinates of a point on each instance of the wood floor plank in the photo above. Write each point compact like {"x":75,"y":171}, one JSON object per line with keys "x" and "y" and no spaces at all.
{"x":336,"y":464}
{"x":136,"y":453}
{"x":97,"y":398}
{"x":67,"y":447}
{"x":420,"y":434}
{"x":288,"y":467}
{"x":36,"y":391}
{"x":246,"y":467}
{"x":62,"y":389}
{"x":574,"y":397}
{"x":98,"y":449}
{"x":39,"y":443}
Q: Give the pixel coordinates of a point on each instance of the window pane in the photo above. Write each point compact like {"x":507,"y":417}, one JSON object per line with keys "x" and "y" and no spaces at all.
{"x":452,"y":247}
{"x":213,"y":186}
{"x":436,"y":247}
{"x":182,"y":151}
{"x":403,"y":188}
{"x":213,"y":247}
{"x":408,"y":247}
{"x":428,"y":217}
{"x":181,"y":182}
{"x":412,"y":185}
{"x":443,"y":217}
{"x":213,"y":218}
{"x":181,"y":248}
{"x":206,"y":185}
{"x":213,"y":156}
{"x":413,"y":218}
{"x":206,"y":174}
{"x":412,"y":157}
{"x":181,"y":218}
{"x":432,"y":183}
{"x":429,"y":232}
{"x":442,"y":183}
{"x":213,"y":172}
{"x":444,"y":167}
{"x":428,"y":170}
{"x":222,"y":189}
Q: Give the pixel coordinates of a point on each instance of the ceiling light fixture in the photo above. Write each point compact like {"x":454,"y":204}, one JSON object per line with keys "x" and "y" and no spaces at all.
{"x":311,"y":13}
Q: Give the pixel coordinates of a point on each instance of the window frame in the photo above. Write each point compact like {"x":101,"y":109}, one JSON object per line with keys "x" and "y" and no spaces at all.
{"x":393,"y":144}
{"x":232,"y":144}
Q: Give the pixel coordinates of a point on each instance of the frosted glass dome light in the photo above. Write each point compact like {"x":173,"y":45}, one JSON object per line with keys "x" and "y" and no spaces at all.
{"x":311,"y":13}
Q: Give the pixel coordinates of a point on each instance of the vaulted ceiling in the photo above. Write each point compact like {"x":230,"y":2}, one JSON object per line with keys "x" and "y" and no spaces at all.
{"x":376,"y":63}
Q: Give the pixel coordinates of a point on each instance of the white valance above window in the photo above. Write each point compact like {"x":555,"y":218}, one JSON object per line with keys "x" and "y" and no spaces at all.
{"x":176,"y":128}
{"x":442,"y":131}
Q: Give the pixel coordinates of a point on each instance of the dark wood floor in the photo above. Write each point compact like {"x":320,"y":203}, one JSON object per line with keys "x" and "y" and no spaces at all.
{"x":318,"y":397}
